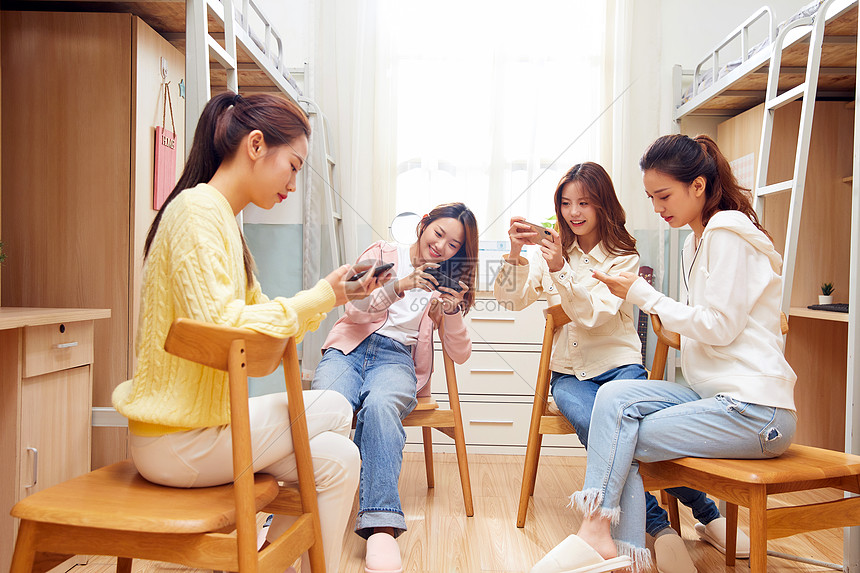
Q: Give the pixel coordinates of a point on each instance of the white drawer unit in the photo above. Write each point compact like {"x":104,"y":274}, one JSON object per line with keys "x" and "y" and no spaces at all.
{"x":497,"y":383}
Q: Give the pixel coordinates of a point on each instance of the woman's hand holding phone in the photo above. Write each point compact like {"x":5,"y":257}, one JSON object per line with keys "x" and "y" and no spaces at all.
{"x":521,"y":234}
{"x":551,"y":251}
{"x":346,"y":290}
{"x":418,"y":278}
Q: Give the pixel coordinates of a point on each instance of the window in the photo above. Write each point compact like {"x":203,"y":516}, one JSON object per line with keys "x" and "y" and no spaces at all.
{"x":494,"y":100}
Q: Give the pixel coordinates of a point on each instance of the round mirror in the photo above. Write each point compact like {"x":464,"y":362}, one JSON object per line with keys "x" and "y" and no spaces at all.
{"x":404,"y":227}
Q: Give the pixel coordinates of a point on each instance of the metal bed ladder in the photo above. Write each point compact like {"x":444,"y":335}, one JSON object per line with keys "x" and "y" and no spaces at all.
{"x":807,"y":90}
{"x":334,"y":202}
{"x":198,"y":46}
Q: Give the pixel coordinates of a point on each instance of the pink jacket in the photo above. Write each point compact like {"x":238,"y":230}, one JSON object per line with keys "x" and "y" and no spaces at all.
{"x":366,"y":316}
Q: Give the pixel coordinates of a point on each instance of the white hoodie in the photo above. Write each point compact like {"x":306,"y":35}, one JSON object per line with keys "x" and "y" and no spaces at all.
{"x":731,"y":342}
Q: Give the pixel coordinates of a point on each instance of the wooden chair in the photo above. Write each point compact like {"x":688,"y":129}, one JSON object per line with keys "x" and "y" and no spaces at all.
{"x":428,"y":415}
{"x":114,"y":511}
{"x":749,"y":482}
{"x":546,"y":417}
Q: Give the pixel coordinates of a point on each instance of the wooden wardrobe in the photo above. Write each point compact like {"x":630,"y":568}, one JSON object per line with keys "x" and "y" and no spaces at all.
{"x":82,"y":94}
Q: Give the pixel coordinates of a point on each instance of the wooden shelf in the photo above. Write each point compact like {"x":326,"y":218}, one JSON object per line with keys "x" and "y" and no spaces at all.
{"x":803,"y":312}
{"x":848,"y":179}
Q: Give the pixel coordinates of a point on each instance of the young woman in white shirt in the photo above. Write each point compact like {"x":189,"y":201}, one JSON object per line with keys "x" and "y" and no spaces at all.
{"x":600,"y":343}
{"x":740,"y":399}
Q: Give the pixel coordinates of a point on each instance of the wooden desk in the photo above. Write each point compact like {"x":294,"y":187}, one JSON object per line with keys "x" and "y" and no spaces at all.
{"x":46,"y":357}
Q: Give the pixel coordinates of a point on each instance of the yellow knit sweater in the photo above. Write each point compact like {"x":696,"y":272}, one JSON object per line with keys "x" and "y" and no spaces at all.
{"x":195,"y":270}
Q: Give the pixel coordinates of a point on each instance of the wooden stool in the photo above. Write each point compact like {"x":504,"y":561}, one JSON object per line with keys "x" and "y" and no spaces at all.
{"x":749,"y":482}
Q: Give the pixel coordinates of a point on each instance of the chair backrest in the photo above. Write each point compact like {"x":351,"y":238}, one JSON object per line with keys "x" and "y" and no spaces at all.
{"x":242,"y":352}
{"x":667,"y":339}
{"x":555,"y":319}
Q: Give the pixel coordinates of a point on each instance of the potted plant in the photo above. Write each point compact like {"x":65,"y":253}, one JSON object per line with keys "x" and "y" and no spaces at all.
{"x":2,"y":254}
{"x":826,"y":296}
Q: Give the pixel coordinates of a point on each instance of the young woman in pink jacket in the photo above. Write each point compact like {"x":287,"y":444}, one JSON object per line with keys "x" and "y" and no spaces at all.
{"x":380,"y":354}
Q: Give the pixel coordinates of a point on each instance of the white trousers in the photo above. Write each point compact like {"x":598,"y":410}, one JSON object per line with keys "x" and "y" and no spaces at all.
{"x":203,"y":457}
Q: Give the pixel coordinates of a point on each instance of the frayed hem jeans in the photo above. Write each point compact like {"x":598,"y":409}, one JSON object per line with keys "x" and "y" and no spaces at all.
{"x":655,"y":420}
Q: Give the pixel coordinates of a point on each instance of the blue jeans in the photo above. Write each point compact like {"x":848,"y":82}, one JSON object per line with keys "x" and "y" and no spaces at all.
{"x":654,"y":420}
{"x":575,"y":399}
{"x":378,"y":379}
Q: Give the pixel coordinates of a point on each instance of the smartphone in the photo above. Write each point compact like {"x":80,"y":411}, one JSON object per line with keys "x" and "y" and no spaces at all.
{"x":542,"y":233}
{"x":443,"y":279}
{"x":376,"y":272}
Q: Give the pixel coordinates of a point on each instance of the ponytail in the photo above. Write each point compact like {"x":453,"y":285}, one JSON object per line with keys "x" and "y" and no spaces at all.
{"x":226,"y":119}
{"x":684,"y":159}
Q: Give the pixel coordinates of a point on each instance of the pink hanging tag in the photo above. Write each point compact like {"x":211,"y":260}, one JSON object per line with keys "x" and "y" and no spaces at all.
{"x":165,"y":166}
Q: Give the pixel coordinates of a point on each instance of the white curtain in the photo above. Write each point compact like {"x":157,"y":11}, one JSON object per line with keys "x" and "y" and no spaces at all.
{"x":488,"y":102}
{"x":495,"y":101}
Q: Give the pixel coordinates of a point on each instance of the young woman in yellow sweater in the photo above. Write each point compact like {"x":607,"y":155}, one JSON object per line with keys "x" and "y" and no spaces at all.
{"x":245,"y":150}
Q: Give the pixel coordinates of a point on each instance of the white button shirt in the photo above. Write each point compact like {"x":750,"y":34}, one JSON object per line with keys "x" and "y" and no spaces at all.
{"x":602,"y":332}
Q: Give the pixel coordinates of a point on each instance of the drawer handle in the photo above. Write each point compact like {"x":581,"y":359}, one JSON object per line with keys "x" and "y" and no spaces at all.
{"x":491,"y":319}
{"x":496,"y":422}
{"x":66,"y":345}
{"x":490,"y":371}
{"x":35,"y":467}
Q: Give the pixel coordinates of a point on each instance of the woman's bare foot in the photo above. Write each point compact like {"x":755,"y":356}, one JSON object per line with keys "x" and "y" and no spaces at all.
{"x":596,"y":532}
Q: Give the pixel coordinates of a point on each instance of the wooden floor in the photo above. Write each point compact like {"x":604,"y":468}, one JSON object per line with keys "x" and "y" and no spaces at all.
{"x":442,"y":539}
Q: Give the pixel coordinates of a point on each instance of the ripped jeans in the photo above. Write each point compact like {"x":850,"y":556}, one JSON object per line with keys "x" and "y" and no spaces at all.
{"x":654,"y":420}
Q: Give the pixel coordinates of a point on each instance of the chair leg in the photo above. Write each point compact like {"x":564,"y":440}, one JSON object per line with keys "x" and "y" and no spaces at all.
{"x":316,"y":556}
{"x":25,"y":548}
{"x":758,"y":530}
{"x":535,"y":463}
{"x":674,"y":516}
{"x":427,"y":435}
{"x":123,"y":565}
{"x":463,"y":466}
{"x":529,"y":473}
{"x":731,"y":533}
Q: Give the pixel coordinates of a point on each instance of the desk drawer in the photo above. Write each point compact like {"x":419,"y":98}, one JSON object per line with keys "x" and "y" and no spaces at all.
{"x":54,"y":347}
{"x":495,"y":371}
{"x":495,"y":424}
{"x":490,"y":321}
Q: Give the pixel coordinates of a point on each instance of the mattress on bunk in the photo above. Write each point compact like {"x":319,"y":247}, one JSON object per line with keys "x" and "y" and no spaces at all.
{"x":706,"y":79}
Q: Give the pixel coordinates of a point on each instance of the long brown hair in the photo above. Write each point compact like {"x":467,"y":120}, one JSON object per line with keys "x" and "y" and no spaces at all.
{"x":463,"y":265}
{"x":226,"y":119}
{"x":597,"y":187}
{"x":684,"y":159}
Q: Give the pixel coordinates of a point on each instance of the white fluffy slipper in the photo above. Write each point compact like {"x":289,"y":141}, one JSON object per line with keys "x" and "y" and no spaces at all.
{"x":715,"y":534}
{"x":671,"y":556}
{"x":573,"y":555}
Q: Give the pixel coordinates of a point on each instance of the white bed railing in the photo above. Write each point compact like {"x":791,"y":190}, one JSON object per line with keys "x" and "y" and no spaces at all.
{"x":743,"y":32}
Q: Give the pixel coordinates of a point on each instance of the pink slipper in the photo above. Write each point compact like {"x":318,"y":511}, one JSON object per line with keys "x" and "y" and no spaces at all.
{"x":573,"y":555}
{"x":383,"y":554}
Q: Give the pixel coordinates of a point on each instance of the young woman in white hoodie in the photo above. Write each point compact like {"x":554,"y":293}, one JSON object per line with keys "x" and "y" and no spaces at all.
{"x":739,"y":401}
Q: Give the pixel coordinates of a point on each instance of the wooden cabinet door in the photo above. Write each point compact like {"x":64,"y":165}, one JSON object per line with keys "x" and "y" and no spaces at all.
{"x":55,"y":422}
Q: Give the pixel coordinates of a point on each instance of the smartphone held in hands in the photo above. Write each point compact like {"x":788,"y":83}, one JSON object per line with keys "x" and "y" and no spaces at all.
{"x":443,"y":279}
{"x":542,"y":233}
{"x":376,"y":272}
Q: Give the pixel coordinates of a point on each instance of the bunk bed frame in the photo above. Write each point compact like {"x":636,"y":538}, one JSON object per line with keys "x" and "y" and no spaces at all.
{"x":741,"y":89}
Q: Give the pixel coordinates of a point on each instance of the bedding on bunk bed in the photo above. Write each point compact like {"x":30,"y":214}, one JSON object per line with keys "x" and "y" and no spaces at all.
{"x":706,"y":78}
